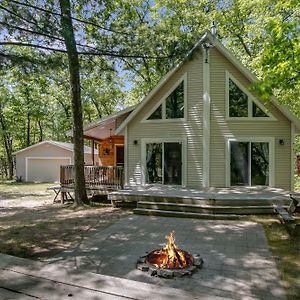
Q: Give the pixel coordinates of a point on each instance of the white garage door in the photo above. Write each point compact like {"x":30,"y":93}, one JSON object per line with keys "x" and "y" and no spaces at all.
{"x":45,"y":169}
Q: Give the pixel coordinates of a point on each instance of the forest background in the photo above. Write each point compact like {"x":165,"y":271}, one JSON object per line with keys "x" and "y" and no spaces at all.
{"x":124,"y":47}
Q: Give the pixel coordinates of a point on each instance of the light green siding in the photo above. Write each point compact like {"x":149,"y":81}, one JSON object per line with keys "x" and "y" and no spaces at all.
{"x":191,"y":128}
{"x":222,"y":128}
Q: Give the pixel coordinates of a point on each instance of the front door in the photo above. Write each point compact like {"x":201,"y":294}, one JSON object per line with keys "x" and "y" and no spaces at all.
{"x":164,"y":163}
{"x":120,"y":155}
{"x":249,"y":163}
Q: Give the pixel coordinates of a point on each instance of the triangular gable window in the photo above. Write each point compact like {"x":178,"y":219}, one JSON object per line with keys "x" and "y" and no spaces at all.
{"x":171,"y":107}
{"x":257,"y":111}
{"x":241,"y":104}
{"x":157,"y":114}
{"x":238,"y":101}
{"x":175,"y":103}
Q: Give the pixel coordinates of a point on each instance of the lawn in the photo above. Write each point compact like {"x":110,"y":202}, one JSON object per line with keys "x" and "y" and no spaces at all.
{"x":286,"y":251}
{"x":33,"y":227}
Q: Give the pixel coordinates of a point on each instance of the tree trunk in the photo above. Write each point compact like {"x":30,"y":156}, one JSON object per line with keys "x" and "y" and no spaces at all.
{"x":68,"y":34}
{"x":8,"y":147}
{"x":40,"y":131}
{"x":28,"y":131}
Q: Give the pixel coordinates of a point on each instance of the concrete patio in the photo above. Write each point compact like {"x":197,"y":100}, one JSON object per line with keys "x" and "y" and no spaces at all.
{"x":237,"y":262}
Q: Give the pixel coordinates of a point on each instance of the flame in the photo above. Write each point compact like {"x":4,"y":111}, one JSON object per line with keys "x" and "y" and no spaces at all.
{"x":170,"y":256}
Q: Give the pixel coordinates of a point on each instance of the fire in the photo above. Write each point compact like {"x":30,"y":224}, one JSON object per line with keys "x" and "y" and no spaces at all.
{"x":170,"y":257}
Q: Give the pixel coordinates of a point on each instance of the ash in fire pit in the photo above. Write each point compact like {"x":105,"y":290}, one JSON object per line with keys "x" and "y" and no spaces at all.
{"x":169,"y":261}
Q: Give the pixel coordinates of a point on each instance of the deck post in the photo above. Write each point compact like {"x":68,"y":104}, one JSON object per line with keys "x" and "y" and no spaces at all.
{"x":93,"y":152}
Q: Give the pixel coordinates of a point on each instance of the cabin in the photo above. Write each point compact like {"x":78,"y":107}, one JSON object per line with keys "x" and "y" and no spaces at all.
{"x":201,"y":127}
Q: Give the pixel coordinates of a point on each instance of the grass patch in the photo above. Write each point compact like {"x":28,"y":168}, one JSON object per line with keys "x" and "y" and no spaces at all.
{"x":286,"y":251}
{"x":297,"y":183}
{"x":22,"y":187}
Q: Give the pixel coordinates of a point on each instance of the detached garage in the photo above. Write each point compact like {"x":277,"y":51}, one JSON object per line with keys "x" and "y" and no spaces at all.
{"x":41,"y":162}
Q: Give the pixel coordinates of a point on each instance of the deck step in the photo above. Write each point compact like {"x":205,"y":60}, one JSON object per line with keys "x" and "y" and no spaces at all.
{"x":206,"y":209}
{"x":180,"y":214}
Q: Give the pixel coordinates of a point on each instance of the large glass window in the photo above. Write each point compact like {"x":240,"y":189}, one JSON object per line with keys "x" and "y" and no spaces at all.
{"x":238,"y":101}
{"x":157,"y":114}
{"x":164,"y":163}
{"x":241,"y":105}
{"x":257,"y":111}
{"x":172,"y":107}
{"x":239,"y":153}
{"x":249,"y":163}
{"x":154,"y":163}
{"x":260,"y":163}
{"x":175,"y":103}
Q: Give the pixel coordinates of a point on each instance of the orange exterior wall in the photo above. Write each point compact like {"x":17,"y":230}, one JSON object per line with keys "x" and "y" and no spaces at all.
{"x":109,"y":159}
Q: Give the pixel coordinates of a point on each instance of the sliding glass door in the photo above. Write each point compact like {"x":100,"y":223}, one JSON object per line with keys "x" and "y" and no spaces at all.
{"x":249,"y":163}
{"x":164,"y":163}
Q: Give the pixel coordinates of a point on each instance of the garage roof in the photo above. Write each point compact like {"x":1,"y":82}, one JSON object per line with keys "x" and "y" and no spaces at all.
{"x":63,"y":145}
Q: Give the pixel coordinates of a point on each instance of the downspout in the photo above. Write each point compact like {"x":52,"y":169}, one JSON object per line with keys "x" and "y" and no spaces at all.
{"x":126,"y":156}
{"x":292,"y":157}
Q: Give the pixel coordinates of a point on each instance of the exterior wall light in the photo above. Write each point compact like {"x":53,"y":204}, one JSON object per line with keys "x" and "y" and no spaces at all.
{"x":106,"y":151}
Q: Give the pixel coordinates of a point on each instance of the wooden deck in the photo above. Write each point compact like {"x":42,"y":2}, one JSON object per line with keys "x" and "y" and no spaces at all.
{"x":97,"y":178}
{"x":222,"y":201}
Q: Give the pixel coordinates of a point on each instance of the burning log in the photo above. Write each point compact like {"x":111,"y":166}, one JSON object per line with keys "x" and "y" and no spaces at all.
{"x":170,"y":257}
{"x":169,"y":261}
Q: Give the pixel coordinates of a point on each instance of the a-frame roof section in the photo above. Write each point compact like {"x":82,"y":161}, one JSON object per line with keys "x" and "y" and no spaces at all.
{"x":208,"y":37}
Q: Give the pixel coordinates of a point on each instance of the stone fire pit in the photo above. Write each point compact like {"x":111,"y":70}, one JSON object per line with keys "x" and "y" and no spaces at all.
{"x":169,"y":261}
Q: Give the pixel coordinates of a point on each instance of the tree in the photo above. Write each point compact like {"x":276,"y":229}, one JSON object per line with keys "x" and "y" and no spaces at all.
{"x":39,"y":28}
{"x":68,"y":34}
{"x":6,"y":130}
{"x":140,"y":41}
{"x":280,"y":58}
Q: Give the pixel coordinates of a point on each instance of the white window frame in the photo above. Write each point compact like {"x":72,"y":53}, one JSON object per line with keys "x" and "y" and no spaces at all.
{"x":163,"y":103}
{"x":270,"y":140}
{"x":183,"y":142}
{"x":251,"y":99}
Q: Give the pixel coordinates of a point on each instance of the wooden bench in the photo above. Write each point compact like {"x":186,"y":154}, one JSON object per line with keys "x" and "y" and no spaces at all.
{"x":286,"y":215}
{"x":294,"y":206}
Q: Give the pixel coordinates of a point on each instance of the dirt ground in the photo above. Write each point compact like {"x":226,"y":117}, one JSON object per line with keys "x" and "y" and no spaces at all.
{"x":31,"y":226}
